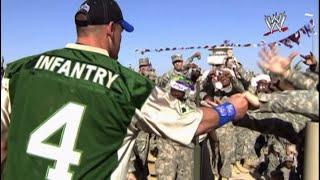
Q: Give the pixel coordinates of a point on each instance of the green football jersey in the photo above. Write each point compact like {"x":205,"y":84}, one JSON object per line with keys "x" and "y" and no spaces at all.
{"x":70,"y":112}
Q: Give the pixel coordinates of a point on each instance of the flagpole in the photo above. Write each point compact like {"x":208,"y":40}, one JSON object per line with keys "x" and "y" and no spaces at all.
{"x":311,"y":146}
{"x":316,"y":35}
{"x":313,"y":34}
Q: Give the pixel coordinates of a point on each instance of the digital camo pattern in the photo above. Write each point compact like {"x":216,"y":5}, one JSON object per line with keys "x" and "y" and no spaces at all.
{"x":305,"y":81}
{"x":174,"y":161}
{"x":303,"y":102}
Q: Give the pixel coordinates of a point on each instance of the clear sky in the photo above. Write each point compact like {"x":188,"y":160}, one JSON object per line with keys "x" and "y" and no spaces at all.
{"x":33,"y":26}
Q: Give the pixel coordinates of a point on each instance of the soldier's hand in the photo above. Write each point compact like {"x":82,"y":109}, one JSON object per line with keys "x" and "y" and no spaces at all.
{"x":217,"y":101}
{"x":196,"y":55}
{"x":205,"y":104}
{"x":192,"y":65}
{"x":208,"y":102}
{"x":252,"y":99}
{"x":309,"y":59}
{"x":240,"y":104}
{"x":274,"y":63}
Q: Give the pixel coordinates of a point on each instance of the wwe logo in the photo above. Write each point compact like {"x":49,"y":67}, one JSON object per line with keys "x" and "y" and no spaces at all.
{"x":275,"y":23}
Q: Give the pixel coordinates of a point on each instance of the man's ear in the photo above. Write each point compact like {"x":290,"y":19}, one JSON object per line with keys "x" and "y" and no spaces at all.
{"x":110,"y":28}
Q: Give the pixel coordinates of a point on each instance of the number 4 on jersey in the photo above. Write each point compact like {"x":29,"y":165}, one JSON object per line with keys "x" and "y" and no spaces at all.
{"x":69,"y":116}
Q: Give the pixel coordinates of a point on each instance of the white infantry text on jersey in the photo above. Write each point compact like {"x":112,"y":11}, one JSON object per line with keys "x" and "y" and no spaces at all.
{"x":76,"y":70}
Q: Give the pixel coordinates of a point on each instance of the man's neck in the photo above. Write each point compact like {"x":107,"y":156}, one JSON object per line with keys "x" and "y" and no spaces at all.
{"x":90,"y":42}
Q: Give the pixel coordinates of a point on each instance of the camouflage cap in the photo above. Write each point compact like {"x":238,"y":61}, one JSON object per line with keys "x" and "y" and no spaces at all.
{"x":176,"y":57}
{"x":144,"y":61}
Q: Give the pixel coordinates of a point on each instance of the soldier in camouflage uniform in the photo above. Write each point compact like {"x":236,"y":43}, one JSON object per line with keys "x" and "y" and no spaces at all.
{"x":145,"y":142}
{"x":177,"y":62}
{"x":175,"y":161}
{"x":282,"y":129}
{"x":145,"y":69}
{"x":180,"y":71}
{"x":180,"y":68}
{"x":286,"y":105}
{"x":299,"y":101}
{"x":218,"y":88}
{"x":240,"y":73}
{"x":217,"y":84}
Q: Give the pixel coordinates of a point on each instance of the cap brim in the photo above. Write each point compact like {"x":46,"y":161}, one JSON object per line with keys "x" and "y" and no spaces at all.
{"x":178,"y":60}
{"x":126,"y":26}
{"x":178,"y":86}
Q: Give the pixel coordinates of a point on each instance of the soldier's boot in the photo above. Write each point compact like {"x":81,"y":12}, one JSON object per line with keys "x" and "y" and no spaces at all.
{"x":241,"y":168}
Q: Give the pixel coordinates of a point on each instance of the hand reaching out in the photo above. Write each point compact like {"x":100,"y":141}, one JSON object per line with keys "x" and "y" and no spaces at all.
{"x":309,"y":59}
{"x":271,"y":61}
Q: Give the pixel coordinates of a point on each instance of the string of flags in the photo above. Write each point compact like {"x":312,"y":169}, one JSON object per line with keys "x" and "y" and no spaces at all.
{"x":307,"y":29}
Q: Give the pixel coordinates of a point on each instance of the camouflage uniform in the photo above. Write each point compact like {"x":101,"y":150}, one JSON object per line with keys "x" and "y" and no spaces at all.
{"x":224,"y":145}
{"x":297,"y":101}
{"x":302,"y":80}
{"x":144,"y":142}
{"x":243,"y":75}
{"x":175,"y":161}
{"x":277,"y":126}
{"x":151,"y":73}
{"x":245,"y":141}
{"x":208,"y":88}
{"x":276,"y":152}
{"x":226,"y":142}
{"x":226,"y":148}
{"x":137,"y":163}
{"x":164,"y":80}
{"x":282,"y":124}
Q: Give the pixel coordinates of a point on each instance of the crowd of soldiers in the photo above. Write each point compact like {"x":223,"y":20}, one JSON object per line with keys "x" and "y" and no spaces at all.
{"x":266,"y":144}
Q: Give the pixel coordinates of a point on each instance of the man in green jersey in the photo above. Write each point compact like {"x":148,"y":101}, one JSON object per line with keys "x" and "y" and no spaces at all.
{"x":74,"y":113}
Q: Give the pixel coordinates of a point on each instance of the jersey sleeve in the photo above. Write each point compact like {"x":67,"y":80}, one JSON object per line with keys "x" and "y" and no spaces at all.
{"x":161,"y":114}
{"x":11,"y":69}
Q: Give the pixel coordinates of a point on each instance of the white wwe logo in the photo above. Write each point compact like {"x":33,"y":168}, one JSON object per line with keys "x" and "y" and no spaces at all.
{"x":275,"y":21}
{"x":85,"y":7}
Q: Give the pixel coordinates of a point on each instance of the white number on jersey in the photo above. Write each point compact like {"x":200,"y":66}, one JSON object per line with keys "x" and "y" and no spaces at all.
{"x":69,"y":116}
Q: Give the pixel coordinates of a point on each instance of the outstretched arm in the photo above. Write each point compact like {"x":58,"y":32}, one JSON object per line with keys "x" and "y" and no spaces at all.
{"x":279,"y":65}
{"x":211,"y":119}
